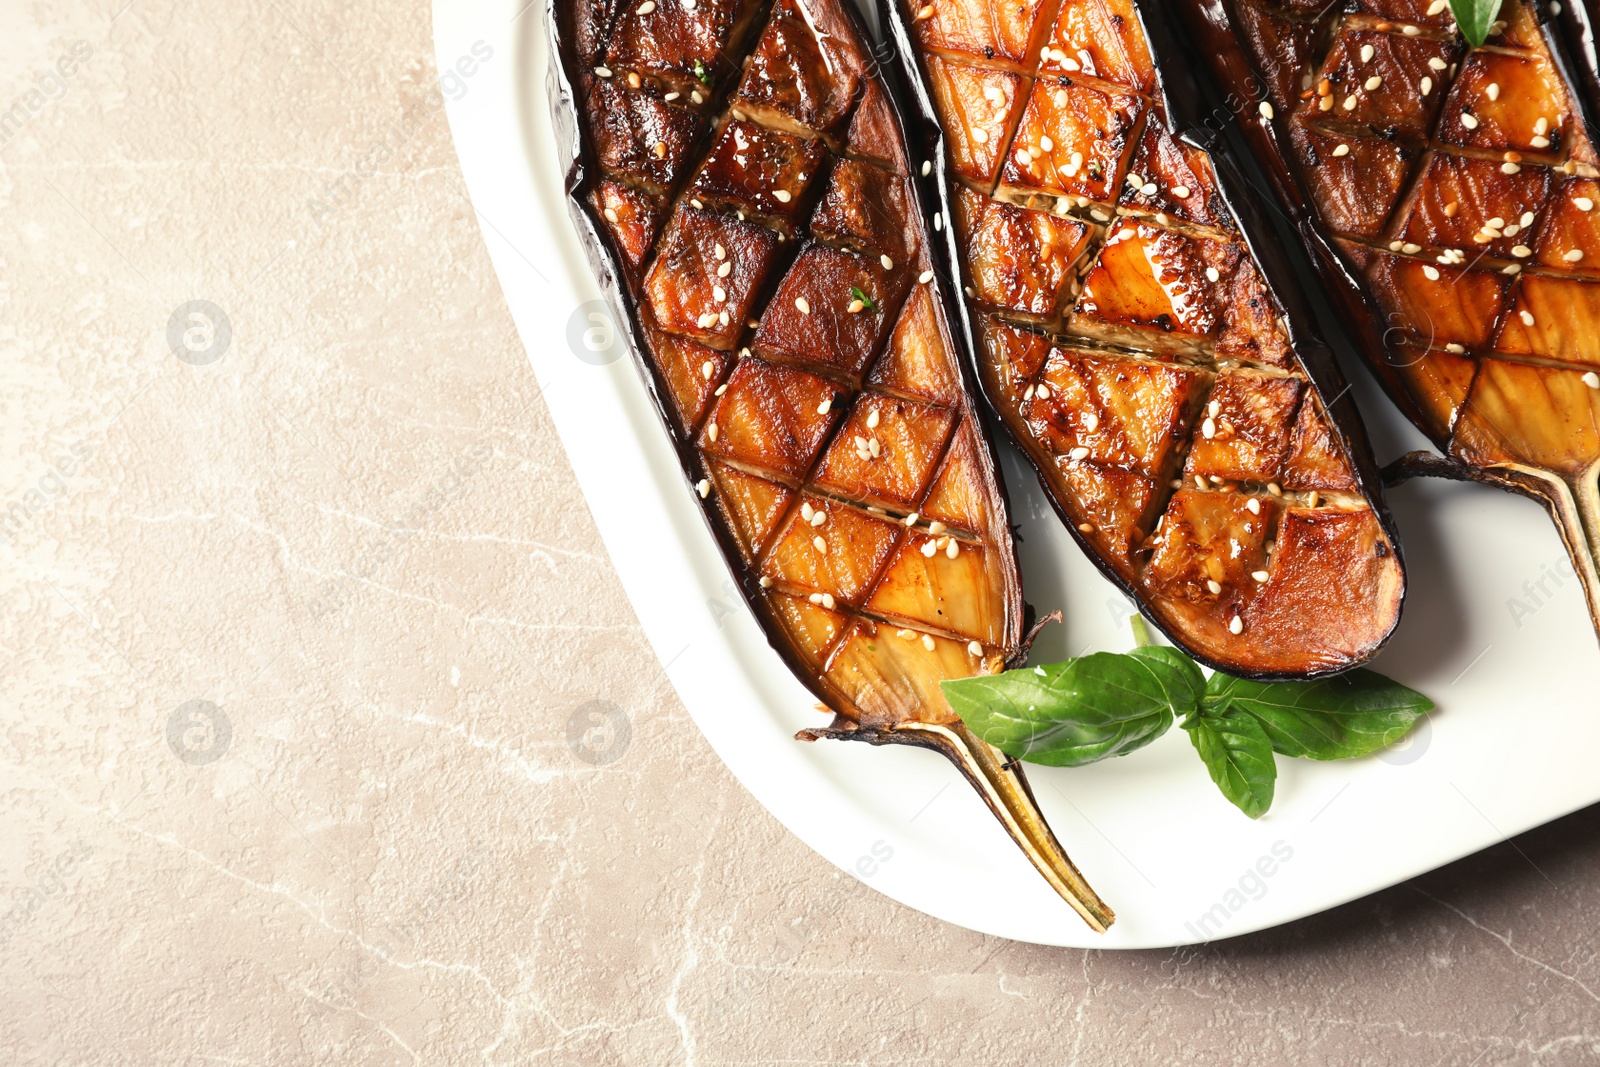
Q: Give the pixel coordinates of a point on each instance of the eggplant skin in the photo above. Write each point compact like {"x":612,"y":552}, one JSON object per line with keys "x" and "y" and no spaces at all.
{"x":1141,"y":337}
{"x":740,"y":178}
{"x":1456,"y":228}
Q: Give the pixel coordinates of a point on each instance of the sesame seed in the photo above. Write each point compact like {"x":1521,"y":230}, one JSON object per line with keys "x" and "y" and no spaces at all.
{"x":1325,"y":104}
{"x":724,"y":269}
{"x":872,"y":419}
{"x":1266,"y":109}
{"x":1213,"y":585}
{"x":907,"y":634}
{"x":705,"y":322}
{"x":1592,"y":380}
{"x":1492,"y":90}
{"x":670,"y":97}
{"x":819,"y":544}
{"x":936,"y":528}
{"x":766,"y":583}
{"x":1091,"y":421}
{"x":1149,"y":189}
{"x":818,"y":517}
{"x":1542,"y":126}
{"x":929,"y":548}
{"x":1024,"y":156}
{"x":1526,"y":316}
{"x":1311,"y":499}
{"x":1099,"y":216}
{"x":1468,"y":121}
{"x":1539,"y":141}
{"x":604,"y":72}
{"x":707,"y":369}
{"x":981,"y":135}
{"x":1181,"y":192}
{"x":975,"y":648}
{"x":938,"y":221}
{"x":1410,"y":31}
{"x":1425,"y":86}
{"x":827,"y":601}
{"x":1436,"y":63}
{"x":1510,"y":168}
{"x":1410,"y":249}
{"x":1214,"y":408}
{"x":802,"y":305}
{"x":723,"y":318}
{"x":1274,"y":488}
{"x":661,"y":150}
{"x":806,"y":510}
{"x":719,"y":294}
{"x":711,"y":431}
{"x":854,"y":307}
{"x":1574,"y":255}
{"x":888,"y":264}
{"x":1437,"y":6}
{"x":1527,"y":218}
{"x":1342,"y":150}
{"x":723,"y":388}
{"x":1367,"y":52}
{"x":822,"y":408}
{"x":925,"y":277}
{"x":1046,"y":143}
{"x":927,"y":167}
{"x":1512,"y":268}
{"x":1555,"y":7}
{"x":1521,"y":251}
{"x":1583,"y":203}
{"x":1260,"y":576}
{"x":1432,"y":273}
{"x":1254,"y":505}
{"x":695,"y":97}
{"x":927,"y":642}
{"x":1373,"y":82}
{"x":782,"y":196}
{"x":1079,"y":453}
{"x":1236,"y":625}
{"x":875,"y":447}
{"x":953,"y":549}
{"x":703,"y":487}
{"x":611,"y":214}
{"x":815,"y":598}
{"x":1199,"y":481}
{"x":1454,"y":348}
{"x":1208,"y":429}
{"x":1394,"y":246}
{"x":1349,"y":103}
{"x":925,"y":12}
{"x":1028,"y":393}
{"x":911,"y":519}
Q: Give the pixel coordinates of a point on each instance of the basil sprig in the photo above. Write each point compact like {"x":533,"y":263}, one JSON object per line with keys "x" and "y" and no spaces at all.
{"x":1109,"y":704}
{"x":1474,"y":18}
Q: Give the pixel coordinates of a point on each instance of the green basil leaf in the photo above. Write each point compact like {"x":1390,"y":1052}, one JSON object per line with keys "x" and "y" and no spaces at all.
{"x":1081,"y":711}
{"x":1348,"y":715}
{"x":1236,"y":751}
{"x":1474,"y":17}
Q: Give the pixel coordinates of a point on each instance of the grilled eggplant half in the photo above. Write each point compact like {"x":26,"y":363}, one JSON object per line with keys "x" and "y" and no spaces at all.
{"x":740,"y":176}
{"x":1141,"y":338}
{"x":1447,"y":195}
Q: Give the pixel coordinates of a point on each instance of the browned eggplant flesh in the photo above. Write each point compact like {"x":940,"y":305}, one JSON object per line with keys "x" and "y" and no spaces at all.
{"x":1129,"y":341}
{"x":742,"y":175}
{"x":1451,"y":195}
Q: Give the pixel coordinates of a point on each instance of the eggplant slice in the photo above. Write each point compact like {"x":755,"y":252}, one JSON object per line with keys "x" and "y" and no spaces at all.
{"x":740,"y":177}
{"x":1447,"y":195}
{"x":1141,"y":338}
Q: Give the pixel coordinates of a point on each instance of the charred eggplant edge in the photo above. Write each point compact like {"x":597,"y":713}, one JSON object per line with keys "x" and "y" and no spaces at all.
{"x":1316,"y":357}
{"x":999,"y":781}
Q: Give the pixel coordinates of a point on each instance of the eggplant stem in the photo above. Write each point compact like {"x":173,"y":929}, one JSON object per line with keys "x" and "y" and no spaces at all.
{"x":1001,"y":783}
{"x":1575,"y":505}
{"x":1572,"y":499}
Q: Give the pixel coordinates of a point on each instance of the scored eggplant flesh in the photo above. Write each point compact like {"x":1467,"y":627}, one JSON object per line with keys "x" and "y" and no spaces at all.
{"x":1449,"y":196}
{"x":740,"y":176}
{"x":1128,"y":338}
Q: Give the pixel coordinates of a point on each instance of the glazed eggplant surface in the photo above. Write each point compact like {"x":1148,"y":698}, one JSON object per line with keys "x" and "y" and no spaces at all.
{"x":1448,"y":194}
{"x":740,"y":176}
{"x":1128,"y":339}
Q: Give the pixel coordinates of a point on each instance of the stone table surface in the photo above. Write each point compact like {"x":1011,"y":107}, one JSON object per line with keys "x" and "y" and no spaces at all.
{"x":294,"y":626}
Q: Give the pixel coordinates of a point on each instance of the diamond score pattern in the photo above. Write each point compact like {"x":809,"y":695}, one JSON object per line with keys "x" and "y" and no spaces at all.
{"x":796,"y":342}
{"x":1128,"y":337}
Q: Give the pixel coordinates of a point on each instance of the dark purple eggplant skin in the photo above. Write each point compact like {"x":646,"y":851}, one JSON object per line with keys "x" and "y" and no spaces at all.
{"x":1196,"y":126}
{"x":573,"y":150}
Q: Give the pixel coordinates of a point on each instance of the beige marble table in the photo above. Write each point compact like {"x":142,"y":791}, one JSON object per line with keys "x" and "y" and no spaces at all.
{"x":296,"y":627}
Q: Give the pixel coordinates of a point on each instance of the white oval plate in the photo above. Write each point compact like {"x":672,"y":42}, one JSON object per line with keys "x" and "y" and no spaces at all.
{"x":1494,"y":630}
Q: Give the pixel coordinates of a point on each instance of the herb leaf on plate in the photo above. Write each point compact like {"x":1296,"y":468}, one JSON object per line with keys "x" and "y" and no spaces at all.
{"x":1474,"y":17}
{"x":1235,"y":749}
{"x":1083,"y":710}
{"x":1342,"y":717}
